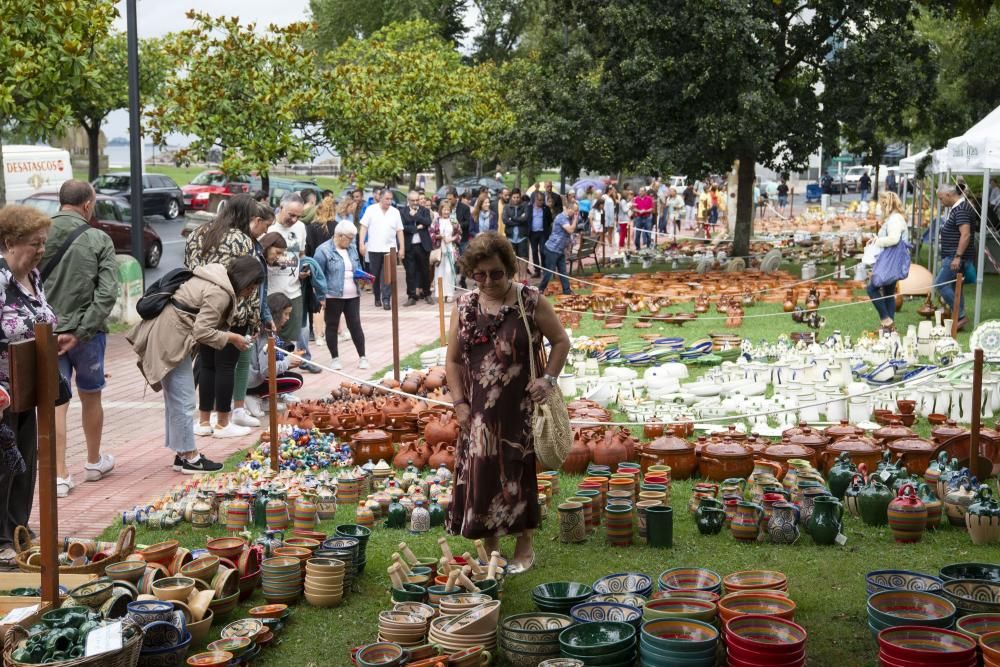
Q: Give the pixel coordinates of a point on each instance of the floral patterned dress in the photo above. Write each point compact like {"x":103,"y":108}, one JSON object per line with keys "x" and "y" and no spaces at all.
{"x":496,"y":492}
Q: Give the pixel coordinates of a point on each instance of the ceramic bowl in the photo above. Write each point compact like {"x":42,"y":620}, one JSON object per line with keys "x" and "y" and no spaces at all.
{"x":245,"y":627}
{"x":143,"y":612}
{"x":911,"y":608}
{"x":534,"y":626}
{"x":684,"y":578}
{"x":754,"y":579}
{"x":210,"y":659}
{"x":597,"y":638}
{"x":971,"y":571}
{"x":167,"y":656}
{"x":893,"y":580}
{"x":751,"y":602}
{"x":56,"y":617}
{"x":925,"y":645}
{"x":976,"y":625}
{"x":698,"y":610}
{"x":629,"y":599}
{"x":268,"y":611}
{"x":203,"y":568}
{"x":973,"y":596}
{"x":624,"y":582}
{"x":606,"y":611}
{"x":161,"y":552}
{"x":238,"y":646}
{"x":474,"y":621}
{"x":409,"y":593}
{"x":990,"y":644}
{"x":173,"y":588}
{"x":127,"y":570}
{"x":160,"y":634}
{"x":518,"y":656}
{"x":383,"y":654}
{"x":425,"y":611}
{"x":741,"y":657}
{"x":323,"y":599}
{"x":226,"y":547}
{"x":224,"y":606}
{"x":767,"y":634}
{"x":655,"y":656}
{"x":561,"y":591}
{"x":621,"y":658}
{"x":93,"y":593}
{"x":706,"y":596}
{"x":199,"y":629}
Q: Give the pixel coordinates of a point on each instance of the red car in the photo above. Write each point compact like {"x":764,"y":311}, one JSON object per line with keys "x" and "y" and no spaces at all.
{"x":207,"y":183}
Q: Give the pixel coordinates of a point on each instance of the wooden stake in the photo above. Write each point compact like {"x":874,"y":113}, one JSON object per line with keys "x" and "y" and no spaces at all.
{"x":440,"y":283}
{"x":959,"y":278}
{"x":272,"y":399}
{"x":389,"y":277}
{"x":977,"y":405}
{"x":47,"y":390}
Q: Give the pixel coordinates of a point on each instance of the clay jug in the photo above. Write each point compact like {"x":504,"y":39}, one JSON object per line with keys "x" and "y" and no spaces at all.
{"x":982,"y":519}
{"x":611,"y":451}
{"x":873,"y":502}
{"x":907,"y":516}
{"x":444,"y":455}
{"x":709,"y":516}
{"x":441,"y":429}
{"x":933,"y":504}
{"x":840,"y":475}
{"x":826,"y":521}
{"x":578,"y":459}
{"x":851,"y":495}
{"x":783,"y":526}
{"x":406,"y":455}
{"x":746,"y":521}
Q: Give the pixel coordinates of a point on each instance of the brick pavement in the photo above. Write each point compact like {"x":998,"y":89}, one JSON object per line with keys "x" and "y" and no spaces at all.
{"x":134,"y":430}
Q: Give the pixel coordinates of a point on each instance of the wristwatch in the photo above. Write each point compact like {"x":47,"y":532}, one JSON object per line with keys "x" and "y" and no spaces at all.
{"x":551,"y":379}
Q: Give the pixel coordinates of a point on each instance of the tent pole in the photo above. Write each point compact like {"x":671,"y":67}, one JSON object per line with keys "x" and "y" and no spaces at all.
{"x":984,"y":207}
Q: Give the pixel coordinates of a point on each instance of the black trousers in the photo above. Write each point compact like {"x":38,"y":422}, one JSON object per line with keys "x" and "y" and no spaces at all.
{"x":216,"y":376}
{"x":537,"y":240}
{"x":418,"y":271}
{"x":351,"y":309}
{"x":17,"y":491}
{"x":376,"y":260}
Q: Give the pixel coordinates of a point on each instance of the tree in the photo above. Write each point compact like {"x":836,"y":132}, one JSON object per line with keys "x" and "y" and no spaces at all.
{"x":250,"y":93}
{"x":502,"y":24}
{"x":339,"y":20}
{"x":402,"y":100}
{"x":44,"y":48}
{"x":106,"y":87}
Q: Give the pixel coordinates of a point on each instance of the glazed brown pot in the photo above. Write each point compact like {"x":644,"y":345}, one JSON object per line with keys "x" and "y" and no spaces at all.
{"x":441,"y":429}
{"x":371,"y":444}
{"x":894,"y":430}
{"x":811,"y":439}
{"x":859,"y":449}
{"x":915,"y":453}
{"x":721,"y":460}
{"x":669,"y":450}
{"x":842,"y":430}
{"x":783,"y":451}
{"x":946,"y":431}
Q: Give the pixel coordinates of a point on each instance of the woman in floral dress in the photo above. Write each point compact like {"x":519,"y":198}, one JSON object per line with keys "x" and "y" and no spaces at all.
{"x":489,"y":377}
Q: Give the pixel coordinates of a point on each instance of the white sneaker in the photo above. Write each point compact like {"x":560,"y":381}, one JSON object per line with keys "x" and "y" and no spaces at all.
{"x":64,"y":486}
{"x":231,"y":430}
{"x":95,"y":471}
{"x":289,"y":398}
{"x":254,"y":406}
{"x":202,"y":429}
{"x":336,"y":365}
{"x":241,"y":417}
{"x":363,"y":363}
{"x":344,"y":335}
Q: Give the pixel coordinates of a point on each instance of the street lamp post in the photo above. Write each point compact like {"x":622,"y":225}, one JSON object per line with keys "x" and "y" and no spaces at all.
{"x":135,"y":136}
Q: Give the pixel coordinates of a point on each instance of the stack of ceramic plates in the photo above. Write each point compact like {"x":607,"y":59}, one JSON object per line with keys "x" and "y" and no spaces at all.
{"x":528,"y":638}
{"x":282,"y":579}
{"x":453,"y":605}
{"x":476,"y":627}
{"x":755,"y":580}
{"x":402,"y":628}
{"x":607,"y":643}
{"x":324,"y":585}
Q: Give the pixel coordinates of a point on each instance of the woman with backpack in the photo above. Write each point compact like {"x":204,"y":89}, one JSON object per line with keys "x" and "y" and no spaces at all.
{"x":201,"y":313}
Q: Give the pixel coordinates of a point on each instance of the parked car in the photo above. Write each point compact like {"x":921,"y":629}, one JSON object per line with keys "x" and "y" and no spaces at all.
{"x":471,"y":185}
{"x":112,"y":215}
{"x":853,"y":176}
{"x":398,"y":196}
{"x":279,"y":187}
{"x":209,"y":182}
{"x":160,"y":194}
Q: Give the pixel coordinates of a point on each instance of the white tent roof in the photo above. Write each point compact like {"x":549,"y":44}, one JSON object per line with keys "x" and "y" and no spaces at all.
{"x":908,"y":165}
{"x":978,"y":148}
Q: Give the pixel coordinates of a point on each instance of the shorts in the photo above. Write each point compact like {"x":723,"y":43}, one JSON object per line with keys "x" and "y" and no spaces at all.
{"x":521,"y":248}
{"x":87,"y":360}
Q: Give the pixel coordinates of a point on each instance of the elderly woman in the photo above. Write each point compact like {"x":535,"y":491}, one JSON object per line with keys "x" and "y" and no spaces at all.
{"x":339,"y":259}
{"x":892,"y":232}
{"x":490,"y":381}
{"x":23,"y":231}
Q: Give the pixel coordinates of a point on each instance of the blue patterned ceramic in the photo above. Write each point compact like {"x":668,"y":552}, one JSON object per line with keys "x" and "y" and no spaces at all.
{"x":160,"y":634}
{"x":169,"y":656}
{"x":625,"y":582}
{"x":901,"y":580}
{"x":606,"y":611}
{"x":973,"y":596}
{"x":145,"y":612}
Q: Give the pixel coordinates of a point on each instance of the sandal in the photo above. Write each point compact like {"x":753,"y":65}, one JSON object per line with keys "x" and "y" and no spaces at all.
{"x":8,"y":560}
{"x":518,"y":568}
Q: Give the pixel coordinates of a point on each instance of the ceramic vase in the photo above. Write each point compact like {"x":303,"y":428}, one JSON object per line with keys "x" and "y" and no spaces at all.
{"x":907,"y":516}
{"x":982,"y":519}
{"x":572,"y":523}
{"x":618,"y":525}
{"x":746,"y":521}
{"x":783,"y":525}
{"x":826,"y":521}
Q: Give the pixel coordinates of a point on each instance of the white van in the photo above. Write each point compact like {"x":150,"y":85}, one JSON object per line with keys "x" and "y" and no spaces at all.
{"x":29,"y":169}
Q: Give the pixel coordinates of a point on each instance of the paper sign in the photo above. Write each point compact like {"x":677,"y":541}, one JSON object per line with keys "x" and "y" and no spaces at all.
{"x":104,"y":639}
{"x":840,"y":539}
{"x":18,"y":615}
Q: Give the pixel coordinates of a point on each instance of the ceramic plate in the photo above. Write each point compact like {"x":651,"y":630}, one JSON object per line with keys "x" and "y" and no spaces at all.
{"x":245,"y":627}
{"x":987,"y":337}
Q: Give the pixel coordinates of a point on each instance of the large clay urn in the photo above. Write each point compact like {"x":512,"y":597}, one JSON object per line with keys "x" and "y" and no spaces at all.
{"x":669,"y":450}
{"x":781,"y":452}
{"x":859,"y":449}
{"x":371,"y":444}
{"x":946,"y":431}
{"x":842,"y":430}
{"x":894,"y":430}
{"x":610,"y":450}
{"x":721,"y":460}
{"x":441,"y":428}
{"x":579,"y":456}
{"x":444,"y":455}
{"x":813,"y":440}
{"x":914,"y":453}
{"x":408,"y":452}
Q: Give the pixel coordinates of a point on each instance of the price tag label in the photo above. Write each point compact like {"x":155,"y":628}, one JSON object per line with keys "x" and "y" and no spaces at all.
{"x":18,"y":615}
{"x":104,"y":639}
{"x":840,"y":539}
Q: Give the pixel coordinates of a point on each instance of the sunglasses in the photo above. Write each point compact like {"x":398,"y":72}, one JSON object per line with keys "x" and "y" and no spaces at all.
{"x":494,"y":275}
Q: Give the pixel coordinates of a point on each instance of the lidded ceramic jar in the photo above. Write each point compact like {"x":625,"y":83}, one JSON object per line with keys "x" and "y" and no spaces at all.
{"x":842,"y":430}
{"x":893,"y":431}
{"x":669,"y":450}
{"x":859,"y":449}
{"x":913,"y":453}
{"x":721,"y":460}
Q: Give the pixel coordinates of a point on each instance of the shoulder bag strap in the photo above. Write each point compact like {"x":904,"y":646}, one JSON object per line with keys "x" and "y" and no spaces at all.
{"x":51,"y":265}
{"x":531,"y":344}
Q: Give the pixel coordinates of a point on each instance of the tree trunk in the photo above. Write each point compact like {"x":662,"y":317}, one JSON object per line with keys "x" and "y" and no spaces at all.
{"x":265,"y":182}
{"x":438,"y":175}
{"x":517,"y":184}
{"x":744,"y":205}
{"x":93,"y":150}
{"x":413,"y":179}
{"x":3,"y":178}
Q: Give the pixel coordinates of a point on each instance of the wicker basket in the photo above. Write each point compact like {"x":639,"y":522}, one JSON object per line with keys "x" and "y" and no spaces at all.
{"x":128,"y":656}
{"x":123,"y":549}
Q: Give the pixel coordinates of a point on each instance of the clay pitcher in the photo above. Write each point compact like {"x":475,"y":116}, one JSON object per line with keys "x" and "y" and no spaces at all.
{"x":746,"y":521}
{"x":783,"y":526}
{"x":407,"y":454}
{"x":827,"y":520}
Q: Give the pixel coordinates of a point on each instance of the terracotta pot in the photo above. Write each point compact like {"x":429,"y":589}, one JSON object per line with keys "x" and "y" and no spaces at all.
{"x":442,"y":428}
{"x":860,"y":450}
{"x":893,"y":430}
{"x":669,"y":450}
{"x":842,"y":430}
{"x":371,"y":444}
{"x":783,"y":451}
{"x":721,"y":460}
{"x":579,"y":455}
{"x":444,"y":454}
{"x":408,"y":452}
{"x":946,"y":431}
{"x":914,"y":453}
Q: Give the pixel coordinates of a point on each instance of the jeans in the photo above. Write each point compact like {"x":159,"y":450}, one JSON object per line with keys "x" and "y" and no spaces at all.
{"x":303,"y":341}
{"x":947,"y":292}
{"x":537,"y":241}
{"x":864,"y":195}
{"x":87,"y":359}
{"x":643,"y":231}
{"x":886,"y":307}
{"x":17,"y":491}
{"x":554,"y":261}
{"x":351,"y":309}
{"x":178,"y":407}
{"x":713,"y":215}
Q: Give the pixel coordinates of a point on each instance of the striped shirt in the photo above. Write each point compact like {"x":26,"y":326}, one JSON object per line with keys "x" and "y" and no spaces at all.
{"x":961,"y":213}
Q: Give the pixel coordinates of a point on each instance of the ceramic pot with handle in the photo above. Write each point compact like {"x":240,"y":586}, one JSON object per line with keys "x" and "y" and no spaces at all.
{"x":720,"y":460}
{"x":746,"y":521}
{"x":907,"y":516}
{"x":826,"y":521}
{"x":933,"y":504}
{"x":982,"y":519}
{"x":961,"y":494}
{"x":840,"y":475}
{"x":783,"y":526}
{"x":873,"y":502}
{"x":852,"y":493}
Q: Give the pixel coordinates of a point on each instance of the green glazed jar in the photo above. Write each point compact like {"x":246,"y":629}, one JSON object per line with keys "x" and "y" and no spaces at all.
{"x":437,"y":514}
{"x":840,"y":475}
{"x":395,"y":516}
{"x":873,"y":503}
{"x":826,"y":520}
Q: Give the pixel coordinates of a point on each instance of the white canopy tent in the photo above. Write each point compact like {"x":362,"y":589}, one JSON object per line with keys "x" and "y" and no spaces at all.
{"x":908,"y":165}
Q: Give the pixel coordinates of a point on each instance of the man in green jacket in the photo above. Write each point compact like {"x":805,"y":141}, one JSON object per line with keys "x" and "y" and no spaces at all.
{"x":81,"y":285}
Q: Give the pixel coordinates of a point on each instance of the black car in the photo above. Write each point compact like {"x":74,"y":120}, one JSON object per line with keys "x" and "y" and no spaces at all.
{"x":160,"y":195}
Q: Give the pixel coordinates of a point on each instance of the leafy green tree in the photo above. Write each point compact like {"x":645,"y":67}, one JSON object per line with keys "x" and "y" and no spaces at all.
{"x":339,"y":20}
{"x":402,"y":100}
{"x":106,"y":87}
{"x":502,"y":24}
{"x":44,"y":47}
{"x":248,"y":92}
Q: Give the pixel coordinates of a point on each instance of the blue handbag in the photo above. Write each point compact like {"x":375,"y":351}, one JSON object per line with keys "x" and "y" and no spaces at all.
{"x":892,"y":265}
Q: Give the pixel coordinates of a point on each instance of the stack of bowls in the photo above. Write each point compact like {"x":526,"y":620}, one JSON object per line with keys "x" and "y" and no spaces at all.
{"x":762,"y":603}
{"x":347,"y":556}
{"x":589,"y":611}
{"x":243,"y":649}
{"x":383,"y":654}
{"x":476,"y":627}
{"x":282,"y":579}
{"x":707,"y":596}
{"x":763,"y":641}
{"x":696,"y":610}
{"x":690,"y":578}
{"x":890,"y":609}
{"x":913,"y":646}
{"x":605,"y":643}
{"x":977,"y":625}
{"x":559,"y":597}
{"x":678,"y":641}
{"x":361,"y":533}
{"x":630,"y":599}
{"x":901,"y":580}
{"x":324,"y":584}
{"x":416,"y":609}
{"x":990,"y":645}
{"x":973,"y":596}
{"x":403,"y":628}
{"x":528,"y":638}
{"x":348,"y":549}
{"x":453,"y":605}
{"x":755,"y":580}
{"x":970,"y":571}
{"x":625,"y":582}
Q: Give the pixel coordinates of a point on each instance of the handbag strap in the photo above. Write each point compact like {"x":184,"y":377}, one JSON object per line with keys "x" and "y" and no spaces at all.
{"x":531,"y":344}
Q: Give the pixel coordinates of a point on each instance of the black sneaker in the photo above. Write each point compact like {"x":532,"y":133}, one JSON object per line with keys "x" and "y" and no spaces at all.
{"x":410,"y":302}
{"x":430,"y":301}
{"x":200,"y":465}
{"x":378,"y":304}
{"x":178,"y":463}
{"x":387,"y":306}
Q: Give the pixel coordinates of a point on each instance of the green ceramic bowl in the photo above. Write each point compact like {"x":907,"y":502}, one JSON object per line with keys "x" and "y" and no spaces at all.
{"x":597,"y":638}
{"x":624,"y":656}
{"x":654,"y":657}
{"x":561,"y":592}
{"x":971,"y":571}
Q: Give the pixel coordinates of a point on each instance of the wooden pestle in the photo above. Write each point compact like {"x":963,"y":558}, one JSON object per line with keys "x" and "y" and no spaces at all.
{"x":452,"y":577}
{"x":403,"y":567}
{"x":476,"y":569}
{"x":464,"y":581}
{"x":481,"y":550}
{"x":397,"y":580}
{"x":445,"y":549}
{"x":408,"y":554}
{"x":491,"y":571}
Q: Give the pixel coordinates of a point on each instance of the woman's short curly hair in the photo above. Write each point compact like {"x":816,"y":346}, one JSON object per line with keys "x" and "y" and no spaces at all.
{"x":483,"y":247}
{"x":18,"y":222}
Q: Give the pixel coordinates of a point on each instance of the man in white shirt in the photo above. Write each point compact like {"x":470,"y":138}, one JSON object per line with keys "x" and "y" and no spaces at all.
{"x":285,"y":276}
{"x":381,"y":231}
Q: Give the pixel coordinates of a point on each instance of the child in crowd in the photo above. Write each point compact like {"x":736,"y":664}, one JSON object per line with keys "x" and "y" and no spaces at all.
{"x":288,"y":382}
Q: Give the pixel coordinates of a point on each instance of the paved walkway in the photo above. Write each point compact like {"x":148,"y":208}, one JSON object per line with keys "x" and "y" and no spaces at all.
{"x":134,"y":430}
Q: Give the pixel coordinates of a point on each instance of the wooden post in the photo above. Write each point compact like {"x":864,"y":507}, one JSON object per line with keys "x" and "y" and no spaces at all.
{"x":444,"y":339}
{"x":977,"y":403}
{"x":959,"y":279}
{"x":791,"y":202}
{"x":272,"y":399}
{"x":389,"y":277}
{"x":34,"y":383}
